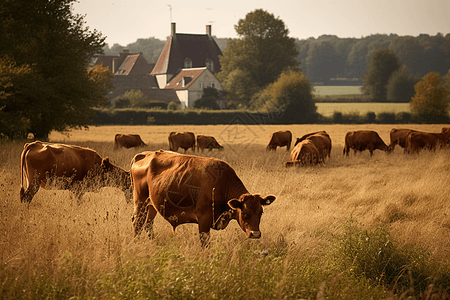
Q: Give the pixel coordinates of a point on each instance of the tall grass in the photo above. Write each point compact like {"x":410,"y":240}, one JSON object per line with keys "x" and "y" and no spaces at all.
{"x":354,"y":228}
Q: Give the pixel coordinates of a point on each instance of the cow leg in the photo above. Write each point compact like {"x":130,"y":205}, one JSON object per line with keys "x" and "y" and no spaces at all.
{"x":204,"y":227}
{"x":28,"y":194}
{"x":148,"y":224}
{"x":139,"y":216}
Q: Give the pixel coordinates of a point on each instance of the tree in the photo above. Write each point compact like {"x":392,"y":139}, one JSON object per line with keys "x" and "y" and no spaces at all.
{"x":321,"y":62}
{"x":400,"y":87}
{"x":209,"y":99}
{"x":431,"y":103}
{"x":262,"y":53}
{"x":290,"y":97}
{"x":48,"y":50}
{"x":383,"y":63}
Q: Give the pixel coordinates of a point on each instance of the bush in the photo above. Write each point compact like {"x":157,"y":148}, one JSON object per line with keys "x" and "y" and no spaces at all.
{"x":387,"y":118}
{"x":370,"y":117}
{"x":375,"y":255}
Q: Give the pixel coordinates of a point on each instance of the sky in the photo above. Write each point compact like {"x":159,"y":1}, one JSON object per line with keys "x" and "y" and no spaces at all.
{"x":125,"y":21}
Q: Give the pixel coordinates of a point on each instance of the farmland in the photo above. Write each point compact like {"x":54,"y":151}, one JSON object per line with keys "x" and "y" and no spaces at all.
{"x":327,"y":109}
{"x":353,"y":228}
{"x":328,"y":90}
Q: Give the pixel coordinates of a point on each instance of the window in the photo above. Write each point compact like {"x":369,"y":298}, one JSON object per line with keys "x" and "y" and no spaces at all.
{"x":187,"y":63}
{"x":213,"y":85}
{"x":202,"y":85}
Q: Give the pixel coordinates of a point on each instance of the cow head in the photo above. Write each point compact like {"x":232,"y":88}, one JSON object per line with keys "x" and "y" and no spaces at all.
{"x":116,"y":175}
{"x":249,"y":211}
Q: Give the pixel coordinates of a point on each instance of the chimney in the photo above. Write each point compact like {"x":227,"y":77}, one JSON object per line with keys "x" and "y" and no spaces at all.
{"x":208,"y":30}
{"x":173,"y":27}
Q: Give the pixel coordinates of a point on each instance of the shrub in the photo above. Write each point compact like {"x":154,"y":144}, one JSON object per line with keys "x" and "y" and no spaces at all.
{"x":387,"y":118}
{"x":370,"y":117}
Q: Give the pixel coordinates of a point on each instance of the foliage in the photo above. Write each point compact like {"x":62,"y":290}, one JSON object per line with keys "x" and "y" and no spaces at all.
{"x":290,"y":97}
{"x":400,"y":87}
{"x":136,"y":97}
{"x":172,"y":105}
{"x":208,"y":99}
{"x":320,"y":64}
{"x":431,"y":102}
{"x":375,"y":255}
{"x":48,"y":48}
{"x":258,"y":58}
{"x":382,"y":65}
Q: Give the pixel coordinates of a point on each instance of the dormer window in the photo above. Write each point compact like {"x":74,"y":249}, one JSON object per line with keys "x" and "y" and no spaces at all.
{"x":187,"y":63}
{"x":209,"y":64}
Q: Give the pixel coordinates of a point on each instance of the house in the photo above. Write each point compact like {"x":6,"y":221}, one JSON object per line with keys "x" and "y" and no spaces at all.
{"x":185,"y":67}
{"x":189,"y":84}
{"x":184,"y":51}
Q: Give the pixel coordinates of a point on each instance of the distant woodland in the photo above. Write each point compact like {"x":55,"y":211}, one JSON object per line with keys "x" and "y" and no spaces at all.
{"x":328,"y":58}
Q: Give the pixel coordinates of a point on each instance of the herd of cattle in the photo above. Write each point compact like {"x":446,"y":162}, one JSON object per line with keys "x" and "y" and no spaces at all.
{"x":188,"y":188}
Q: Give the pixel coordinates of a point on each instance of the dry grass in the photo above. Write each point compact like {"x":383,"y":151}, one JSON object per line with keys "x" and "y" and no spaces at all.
{"x":408,"y":194}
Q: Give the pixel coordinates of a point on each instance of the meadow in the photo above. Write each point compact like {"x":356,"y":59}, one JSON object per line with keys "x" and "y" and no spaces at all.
{"x":353,"y":228}
{"x":327,"y":90}
{"x":327,"y":109}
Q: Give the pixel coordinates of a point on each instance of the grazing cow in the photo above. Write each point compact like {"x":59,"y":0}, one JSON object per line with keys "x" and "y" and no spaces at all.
{"x":184,"y":140}
{"x":417,"y":141}
{"x":364,"y":140}
{"x":398,"y":137}
{"x":192,"y":189}
{"x":280,"y":139}
{"x":305,"y":153}
{"x":321,"y":140}
{"x":128,"y":141}
{"x":208,"y":142}
{"x":71,"y":164}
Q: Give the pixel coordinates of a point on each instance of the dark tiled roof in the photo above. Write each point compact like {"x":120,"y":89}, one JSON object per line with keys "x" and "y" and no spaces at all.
{"x":189,"y":75}
{"x":196,"y":47}
{"x":146,"y":84}
{"x":105,"y":61}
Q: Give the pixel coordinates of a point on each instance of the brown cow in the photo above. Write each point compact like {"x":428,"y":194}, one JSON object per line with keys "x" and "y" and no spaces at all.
{"x":208,"y":142}
{"x":321,"y":140}
{"x":192,"y":189}
{"x":417,"y":141}
{"x":128,"y":141}
{"x":364,"y":140}
{"x":71,"y":164}
{"x":184,"y":140}
{"x":304,"y":153}
{"x":399,"y":136}
{"x":280,"y":139}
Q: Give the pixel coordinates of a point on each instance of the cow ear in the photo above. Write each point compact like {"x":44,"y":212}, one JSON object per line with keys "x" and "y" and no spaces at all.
{"x":268,"y":200}
{"x":105,"y":163}
{"x":235,"y":204}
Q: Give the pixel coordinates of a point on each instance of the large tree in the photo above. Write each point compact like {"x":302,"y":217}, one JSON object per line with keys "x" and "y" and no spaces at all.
{"x":45,"y":51}
{"x":382,"y":65}
{"x":258,"y":57}
{"x":431,"y":102}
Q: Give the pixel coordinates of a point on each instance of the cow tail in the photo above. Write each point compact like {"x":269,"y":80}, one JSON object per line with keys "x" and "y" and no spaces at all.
{"x":26,"y":148}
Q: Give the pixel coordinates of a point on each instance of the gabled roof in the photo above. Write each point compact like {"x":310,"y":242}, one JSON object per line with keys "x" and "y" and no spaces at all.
{"x":179,"y":47}
{"x":188,"y":76}
{"x":134,"y":65}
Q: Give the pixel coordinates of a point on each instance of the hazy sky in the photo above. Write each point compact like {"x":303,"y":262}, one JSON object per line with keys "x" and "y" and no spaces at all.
{"x":125,"y":21}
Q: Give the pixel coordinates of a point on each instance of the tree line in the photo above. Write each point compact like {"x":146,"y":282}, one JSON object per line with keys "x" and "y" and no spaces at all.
{"x":46,"y":82}
{"x":330,"y":57}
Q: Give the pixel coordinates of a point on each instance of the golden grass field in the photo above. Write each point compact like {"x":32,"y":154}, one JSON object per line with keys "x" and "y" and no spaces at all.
{"x":409,"y":194}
